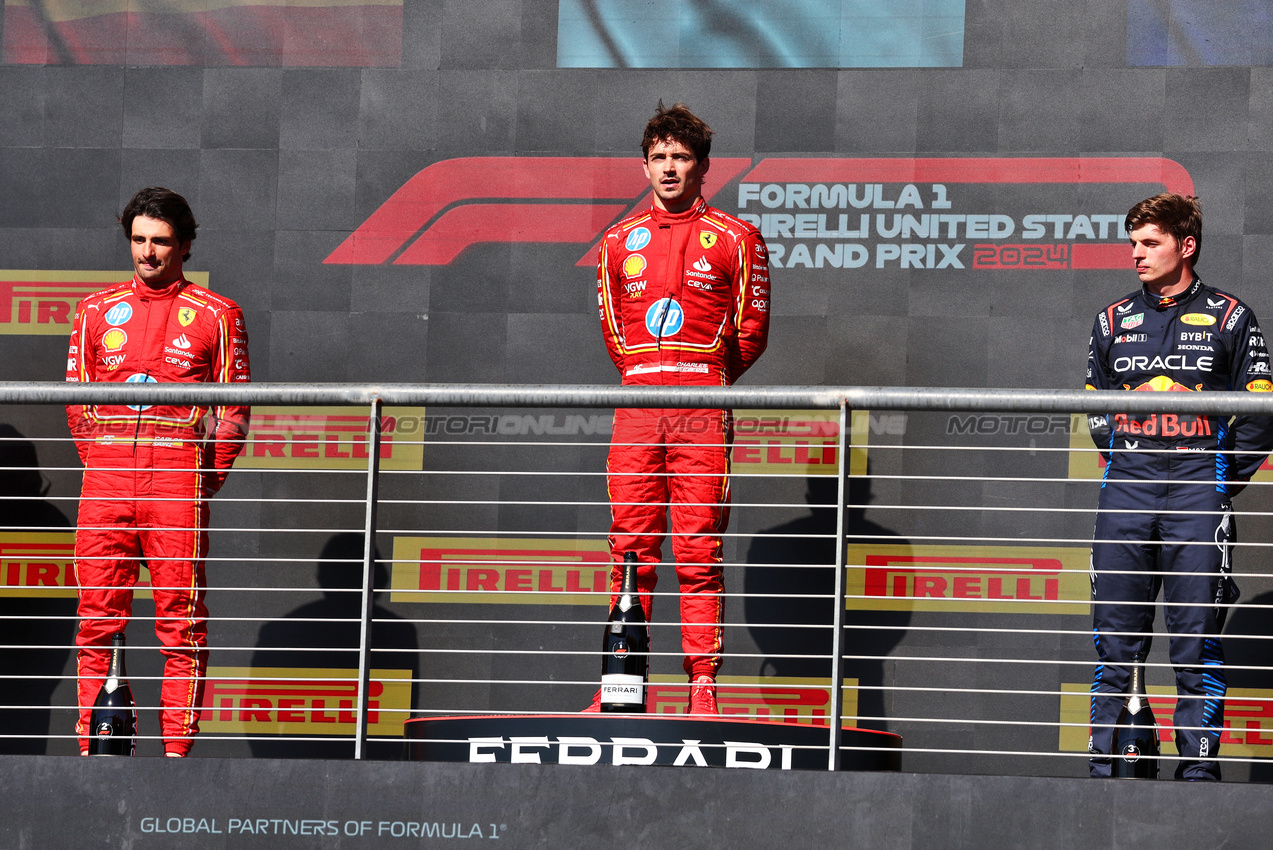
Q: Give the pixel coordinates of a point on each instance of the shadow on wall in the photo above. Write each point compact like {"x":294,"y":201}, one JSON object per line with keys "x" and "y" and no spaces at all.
{"x":1248,"y":641}
{"x":36,"y":633}
{"x":304,"y":639}
{"x":784,"y":571}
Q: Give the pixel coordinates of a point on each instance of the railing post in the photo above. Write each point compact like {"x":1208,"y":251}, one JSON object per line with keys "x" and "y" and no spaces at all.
{"x":368,"y":578}
{"x":837,"y":618}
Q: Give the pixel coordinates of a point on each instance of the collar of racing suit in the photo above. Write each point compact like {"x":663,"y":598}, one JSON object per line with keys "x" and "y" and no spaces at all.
{"x":663,"y":218}
{"x":151,"y":293}
{"x":1161,"y":303}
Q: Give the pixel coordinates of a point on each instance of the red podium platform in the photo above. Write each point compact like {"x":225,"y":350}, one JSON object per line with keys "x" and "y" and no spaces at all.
{"x":645,"y":739}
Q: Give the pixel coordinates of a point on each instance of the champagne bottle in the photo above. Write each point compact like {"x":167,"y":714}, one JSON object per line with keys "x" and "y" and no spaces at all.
{"x":625,"y":646}
{"x":1136,"y":739}
{"x":113,"y":723}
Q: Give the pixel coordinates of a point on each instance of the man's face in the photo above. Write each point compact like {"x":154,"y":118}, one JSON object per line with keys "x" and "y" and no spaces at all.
{"x":156,"y":252}
{"x":1161,"y":261}
{"x":675,"y":174}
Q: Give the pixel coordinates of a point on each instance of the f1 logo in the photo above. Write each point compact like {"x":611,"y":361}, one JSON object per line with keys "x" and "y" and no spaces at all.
{"x":448,"y":207}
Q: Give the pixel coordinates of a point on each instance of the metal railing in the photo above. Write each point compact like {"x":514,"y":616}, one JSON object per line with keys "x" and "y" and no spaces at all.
{"x":841,"y":401}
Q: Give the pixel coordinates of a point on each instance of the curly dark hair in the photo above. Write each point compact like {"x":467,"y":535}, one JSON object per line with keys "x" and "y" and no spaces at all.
{"x":677,"y":124}
{"x":164,"y":205}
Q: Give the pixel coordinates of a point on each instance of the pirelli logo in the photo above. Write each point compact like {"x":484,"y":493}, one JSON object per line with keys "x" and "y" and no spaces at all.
{"x":37,"y":564}
{"x":302,"y":701}
{"x":331,"y":438}
{"x":799,"y":442}
{"x":1248,"y":719}
{"x":969,"y":579}
{"x":778,"y":699}
{"x":43,"y":564}
{"x":500,"y":570}
{"x":44,"y":302}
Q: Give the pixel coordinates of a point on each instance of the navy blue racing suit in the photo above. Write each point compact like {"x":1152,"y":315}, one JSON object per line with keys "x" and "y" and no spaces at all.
{"x":1164,"y":519}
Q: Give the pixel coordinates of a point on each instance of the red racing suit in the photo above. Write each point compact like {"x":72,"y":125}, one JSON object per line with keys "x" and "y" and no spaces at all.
{"x":149,"y":472}
{"x":684,"y":300}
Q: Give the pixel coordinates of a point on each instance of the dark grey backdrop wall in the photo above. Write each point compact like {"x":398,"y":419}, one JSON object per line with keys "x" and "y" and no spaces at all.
{"x":945,"y":226}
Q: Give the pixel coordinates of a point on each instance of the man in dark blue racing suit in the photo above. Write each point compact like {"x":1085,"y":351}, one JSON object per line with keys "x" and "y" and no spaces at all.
{"x":1165,"y":519}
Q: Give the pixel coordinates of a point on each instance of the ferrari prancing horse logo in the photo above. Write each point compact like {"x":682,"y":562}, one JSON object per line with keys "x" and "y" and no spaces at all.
{"x":707,"y":239}
{"x":185,"y":315}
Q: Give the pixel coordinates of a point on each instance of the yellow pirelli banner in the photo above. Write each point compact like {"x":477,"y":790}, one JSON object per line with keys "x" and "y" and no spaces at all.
{"x":968,"y":579}
{"x":37,"y":563}
{"x":1087,"y":462}
{"x":778,"y":699}
{"x":44,"y":302}
{"x":797,"y":442}
{"x":302,"y":701}
{"x":42,"y":563}
{"x":1248,"y":719}
{"x":331,"y":438}
{"x":500,"y":570}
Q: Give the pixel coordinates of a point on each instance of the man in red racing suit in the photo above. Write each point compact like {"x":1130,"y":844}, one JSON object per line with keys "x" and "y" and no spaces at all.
{"x":683,"y":291}
{"x":150,"y":469}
